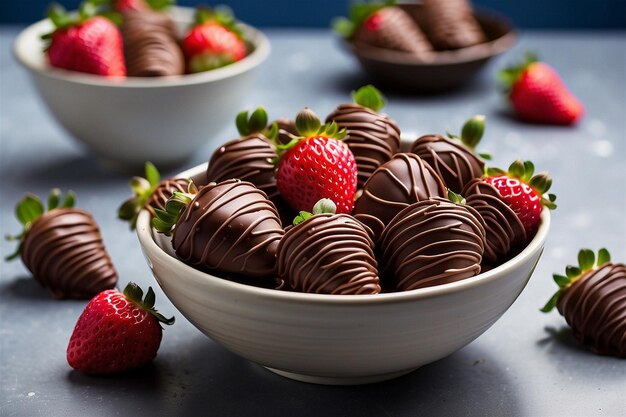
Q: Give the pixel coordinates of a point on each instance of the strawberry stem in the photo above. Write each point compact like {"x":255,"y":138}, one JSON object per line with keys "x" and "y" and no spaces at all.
{"x":143,"y":188}
{"x":324,"y":205}
{"x":165,"y":220}
{"x":586,"y":262}
{"x":134,"y":293}
{"x":30,"y":208}
{"x":472,"y":131}
{"x":370,"y":97}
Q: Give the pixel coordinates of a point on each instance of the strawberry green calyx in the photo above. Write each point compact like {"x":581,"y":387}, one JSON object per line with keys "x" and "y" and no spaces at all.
{"x":456,"y":198}
{"x":511,"y":74}
{"x":586,"y":262}
{"x":165,"y":220}
{"x":359,"y":13}
{"x":256,"y":123}
{"x":222,"y":15}
{"x":142,"y":190}
{"x":472,"y":132}
{"x":30,"y":208}
{"x":134,"y":293}
{"x":324,"y":205}
{"x":309,"y":125}
{"x":370,"y":97}
{"x":524,"y":170}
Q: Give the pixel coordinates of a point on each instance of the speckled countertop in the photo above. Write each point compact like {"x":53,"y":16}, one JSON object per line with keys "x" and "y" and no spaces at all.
{"x":525,"y":365}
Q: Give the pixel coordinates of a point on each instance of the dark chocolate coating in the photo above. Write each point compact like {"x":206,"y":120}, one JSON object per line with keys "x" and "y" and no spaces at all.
{"x":595,"y":307}
{"x":286,"y":127}
{"x":65,"y":253}
{"x":164,"y":191}
{"x":248,"y":159}
{"x":397,"y":31}
{"x":403,"y":180}
{"x":450,"y":24}
{"x":150,"y":45}
{"x":503,"y":228}
{"x":373,"y":138}
{"x":328,"y":254}
{"x":455,"y":163}
{"x":432,"y":242}
{"x":231,"y":227}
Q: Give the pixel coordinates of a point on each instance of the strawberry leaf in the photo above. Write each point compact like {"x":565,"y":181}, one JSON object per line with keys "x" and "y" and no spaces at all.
{"x":29,"y":209}
{"x":152,"y":175}
{"x":552,"y":302}
{"x":53,"y":198}
{"x":472,"y":131}
{"x":370,"y":97}
{"x":561,"y":280}
{"x":572,"y":271}
{"x":604,"y":257}
{"x":586,"y":259}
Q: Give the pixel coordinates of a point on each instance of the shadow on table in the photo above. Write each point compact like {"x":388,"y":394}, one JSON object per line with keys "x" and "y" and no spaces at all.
{"x":25,"y":287}
{"x":466,"y":383}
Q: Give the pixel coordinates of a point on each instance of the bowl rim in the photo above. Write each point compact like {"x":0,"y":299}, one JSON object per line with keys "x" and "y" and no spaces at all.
{"x":152,"y":249}
{"x":461,"y":56}
{"x":258,"y":39}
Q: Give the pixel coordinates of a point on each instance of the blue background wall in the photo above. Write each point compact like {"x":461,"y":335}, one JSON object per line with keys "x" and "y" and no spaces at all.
{"x":608,"y":14}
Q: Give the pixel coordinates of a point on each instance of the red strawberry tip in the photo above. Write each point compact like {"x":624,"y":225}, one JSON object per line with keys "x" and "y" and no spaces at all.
{"x":134,"y":293}
{"x":30,"y":208}
{"x":509,"y":75}
{"x":324,"y":205}
{"x":587,"y":261}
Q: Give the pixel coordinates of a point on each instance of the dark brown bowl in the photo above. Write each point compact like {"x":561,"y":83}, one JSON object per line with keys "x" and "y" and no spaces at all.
{"x":446,"y":70}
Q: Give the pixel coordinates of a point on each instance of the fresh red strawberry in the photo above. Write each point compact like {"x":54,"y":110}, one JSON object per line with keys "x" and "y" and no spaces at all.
{"x":317,"y":165}
{"x":116,"y":332}
{"x":214,"y":41}
{"x":538,"y":94}
{"x":87,"y":43}
{"x":523,"y":192}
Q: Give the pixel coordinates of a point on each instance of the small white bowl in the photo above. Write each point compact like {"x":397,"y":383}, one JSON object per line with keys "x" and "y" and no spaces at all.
{"x":334,"y":339}
{"x":129,"y":121}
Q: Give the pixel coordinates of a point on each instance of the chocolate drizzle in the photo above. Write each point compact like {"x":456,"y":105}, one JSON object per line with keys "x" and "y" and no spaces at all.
{"x":396,"y":30}
{"x":450,"y":24}
{"x":329,"y":254}
{"x":164,"y":191}
{"x":64,"y":251}
{"x":403,"y":180}
{"x":433,"y":242}
{"x":373,"y":138}
{"x":231,"y":227}
{"x":248,"y":159}
{"x":455,"y":163}
{"x":503,"y":228}
{"x":595,"y":307}
{"x":150,"y":45}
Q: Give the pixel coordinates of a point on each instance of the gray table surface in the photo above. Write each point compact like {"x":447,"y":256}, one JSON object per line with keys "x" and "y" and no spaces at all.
{"x":527,"y":364}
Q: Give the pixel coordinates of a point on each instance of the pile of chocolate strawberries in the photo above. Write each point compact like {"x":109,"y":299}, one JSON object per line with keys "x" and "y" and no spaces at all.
{"x":339,"y":208}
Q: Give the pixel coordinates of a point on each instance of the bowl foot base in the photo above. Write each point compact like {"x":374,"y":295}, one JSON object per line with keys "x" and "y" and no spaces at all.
{"x":331,"y":380}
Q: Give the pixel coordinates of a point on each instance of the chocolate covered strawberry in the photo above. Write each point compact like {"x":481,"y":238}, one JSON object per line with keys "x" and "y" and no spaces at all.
{"x":140,"y":5}
{"x":385,"y":26}
{"x":328,"y":253}
{"x":62,"y":247}
{"x":511,"y":203}
{"x":454,"y":158}
{"x":229,"y":227}
{"x":316,"y":165}
{"x":116,"y":332}
{"x":213,"y":42}
{"x":85,"y":42}
{"x":538,"y":94}
{"x":592,"y":298}
{"x":372,"y":137}
{"x":150,"y":193}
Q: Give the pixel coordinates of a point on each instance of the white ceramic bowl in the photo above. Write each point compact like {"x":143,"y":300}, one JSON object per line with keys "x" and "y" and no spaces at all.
{"x":334,"y":339}
{"x":129,"y":121}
